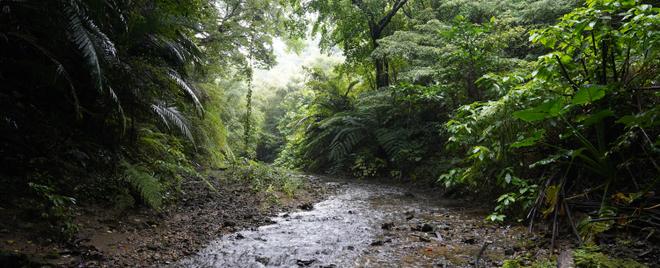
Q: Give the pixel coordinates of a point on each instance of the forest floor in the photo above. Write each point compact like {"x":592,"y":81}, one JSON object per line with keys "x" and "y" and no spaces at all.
{"x":143,"y":237}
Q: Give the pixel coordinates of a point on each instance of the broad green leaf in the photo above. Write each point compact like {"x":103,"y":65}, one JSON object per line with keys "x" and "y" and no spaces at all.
{"x":589,"y":94}
{"x":551,"y":108}
{"x":529,"y":115}
{"x":529,"y":141}
{"x":590,"y":119}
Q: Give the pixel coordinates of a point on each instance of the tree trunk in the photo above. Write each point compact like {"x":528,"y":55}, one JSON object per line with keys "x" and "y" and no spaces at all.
{"x":382,"y":75}
{"x":472,"y":90}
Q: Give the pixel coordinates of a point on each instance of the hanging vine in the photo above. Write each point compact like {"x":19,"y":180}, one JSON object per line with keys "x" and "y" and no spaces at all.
{"x":248,"y":107}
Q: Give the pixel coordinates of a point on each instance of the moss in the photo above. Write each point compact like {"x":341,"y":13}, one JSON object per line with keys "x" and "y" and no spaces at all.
{"x":590,"y":257}
{"x":511,"y":264}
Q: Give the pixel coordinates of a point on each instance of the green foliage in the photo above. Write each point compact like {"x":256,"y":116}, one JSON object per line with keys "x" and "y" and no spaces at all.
{"x":265,"y":178}
{"x":590,"y":257}
{"x":58,"y":210}
{"x":140,"y":179}
{"x":116,"y":100}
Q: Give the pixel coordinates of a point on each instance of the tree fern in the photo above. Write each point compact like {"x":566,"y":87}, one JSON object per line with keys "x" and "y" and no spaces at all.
{"x":143,"y":183}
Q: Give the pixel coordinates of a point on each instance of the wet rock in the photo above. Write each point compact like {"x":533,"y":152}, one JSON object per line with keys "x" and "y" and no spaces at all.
{"x":409,"y":215}
{"x":305,"y":263}
{"x":427,"y":228}
{"x":228,"y":224}
{"x":306,"y":206}
{"x":350,"y":248}
{"x":470,"y":241}
{"x":509,"y":251}
{"x":328,"y":266}
{"x":377,"y":243}
{"x":239,"y":236}
{"x":387,"y":226}
{"x":424,"y":239}
{"x":262,"y":260}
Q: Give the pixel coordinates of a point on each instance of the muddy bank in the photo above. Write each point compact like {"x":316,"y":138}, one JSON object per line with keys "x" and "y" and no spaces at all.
{"x":143,"y":237}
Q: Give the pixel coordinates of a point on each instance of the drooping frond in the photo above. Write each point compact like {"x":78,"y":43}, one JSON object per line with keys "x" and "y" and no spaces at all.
{"x":82,"y":38}
{"x":188,"y":89}
{"x":171,"y":115}
{"x":109,"y":49}
{"x":168,"y":48}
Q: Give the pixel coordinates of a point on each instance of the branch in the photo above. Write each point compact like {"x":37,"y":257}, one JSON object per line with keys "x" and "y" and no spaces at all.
{"x":388,"y":17}
{"x":565,"y":73}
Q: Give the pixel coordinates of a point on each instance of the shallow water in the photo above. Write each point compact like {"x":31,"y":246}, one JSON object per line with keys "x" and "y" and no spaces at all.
{"x":347,"y":230}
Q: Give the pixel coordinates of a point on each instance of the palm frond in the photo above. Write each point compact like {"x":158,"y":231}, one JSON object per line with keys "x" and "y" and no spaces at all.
{"x":188,"y":89}
{"x":171,"y":115}
{"x":82,"y":38}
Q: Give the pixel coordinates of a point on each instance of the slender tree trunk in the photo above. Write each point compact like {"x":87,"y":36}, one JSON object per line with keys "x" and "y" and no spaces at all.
{"x":472,"y":90}
{"x":382,"y":75}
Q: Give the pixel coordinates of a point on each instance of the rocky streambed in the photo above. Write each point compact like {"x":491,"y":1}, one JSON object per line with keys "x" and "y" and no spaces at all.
{"x":367,"y":224}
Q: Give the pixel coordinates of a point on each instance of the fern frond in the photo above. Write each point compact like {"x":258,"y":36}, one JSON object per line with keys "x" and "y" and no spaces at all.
{"x":169,"y":48}
{"x":170,"y":114}
{"x":115,"y":98}
{"x":82,"y":38}
{"x":186,"y":88}
{"x":144,"y":184}
{"x":103,"y":40}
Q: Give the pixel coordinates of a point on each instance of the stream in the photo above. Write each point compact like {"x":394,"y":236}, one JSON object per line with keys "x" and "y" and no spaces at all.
{"x":365,"y":224}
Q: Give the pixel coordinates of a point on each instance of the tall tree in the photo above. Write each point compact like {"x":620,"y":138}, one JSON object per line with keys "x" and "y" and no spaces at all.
{"x":357,"y":26}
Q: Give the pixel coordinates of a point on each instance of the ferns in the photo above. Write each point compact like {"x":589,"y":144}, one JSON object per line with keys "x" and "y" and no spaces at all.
{"x":82,"y":38}
{"x":170,"y":115}
{"x":143,"y":183}
{"x":186,"y":88}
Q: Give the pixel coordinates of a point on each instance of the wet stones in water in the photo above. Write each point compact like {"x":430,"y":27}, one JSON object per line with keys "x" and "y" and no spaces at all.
{"x":387,"y":226}
{"x":410,"y":215}
{"x":228,"y":224}
{"x":377,"y":243}
{"x":380,"y":242}
{"x":262,"y":260}
{"x":306,"y":206}
{"x":427,"y":228}
{"x":239,"y":236}
{"x":305,"y":263}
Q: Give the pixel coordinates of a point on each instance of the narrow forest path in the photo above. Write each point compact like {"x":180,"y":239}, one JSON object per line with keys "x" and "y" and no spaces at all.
{"x":368,"y":224}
